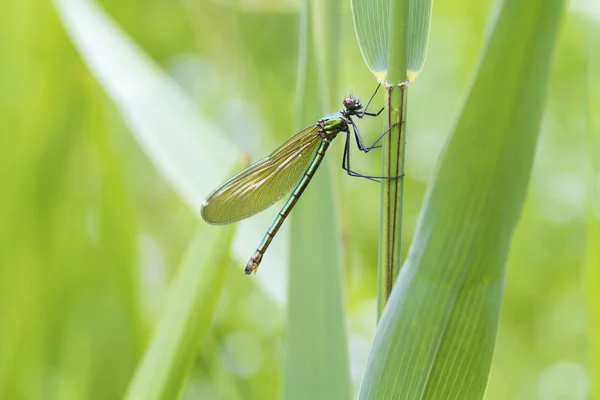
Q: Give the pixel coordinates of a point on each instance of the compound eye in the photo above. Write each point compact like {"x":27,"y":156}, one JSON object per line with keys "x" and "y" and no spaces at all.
{"x":349,"y":102}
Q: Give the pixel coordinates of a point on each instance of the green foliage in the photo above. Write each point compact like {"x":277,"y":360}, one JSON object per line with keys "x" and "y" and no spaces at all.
{"x":118,"y":123}
{"x":316,"y":356}
{"x":188,"y":310}
{"x":437,"y":334}
{"x":372,"y":22}
{"x":590,"y":83}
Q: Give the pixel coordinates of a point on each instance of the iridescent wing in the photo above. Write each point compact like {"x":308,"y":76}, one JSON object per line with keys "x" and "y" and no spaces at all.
{"x":264,"y":182}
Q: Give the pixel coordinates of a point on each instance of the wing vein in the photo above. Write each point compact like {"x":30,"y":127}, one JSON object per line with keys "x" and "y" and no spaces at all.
{"x":264,"y":182}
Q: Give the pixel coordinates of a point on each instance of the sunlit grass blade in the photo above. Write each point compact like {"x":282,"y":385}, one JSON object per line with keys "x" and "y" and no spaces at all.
{"x":371,"y":24}
{"x":162,"y":118}
{"x":178,"y":140}
{"x":186,"y":316}
{"x":437,"y":334}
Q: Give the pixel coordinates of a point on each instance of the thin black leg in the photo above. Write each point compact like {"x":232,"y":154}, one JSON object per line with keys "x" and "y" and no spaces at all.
{"x":367,"y":106}
{"x":360,"y":142}
{"x":369,"y":114}
{"x":348,"y":169}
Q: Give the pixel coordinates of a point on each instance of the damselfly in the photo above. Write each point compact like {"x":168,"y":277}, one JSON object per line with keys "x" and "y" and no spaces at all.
{"x":292,"y":165}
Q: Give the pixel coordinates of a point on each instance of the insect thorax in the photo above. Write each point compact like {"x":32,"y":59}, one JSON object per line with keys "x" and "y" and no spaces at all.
{"x":332,"y":124}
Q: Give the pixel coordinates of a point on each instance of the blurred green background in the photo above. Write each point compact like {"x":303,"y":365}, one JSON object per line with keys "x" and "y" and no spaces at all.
{"x":91,"y":233}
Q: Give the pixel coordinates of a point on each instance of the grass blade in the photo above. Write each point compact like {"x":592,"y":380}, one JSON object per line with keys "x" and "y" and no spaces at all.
{"x":436,"y":336}
{"x":372,"y":26}
{"x":164,"y":121}
{"x":189,"y":307}
{"x":316,"y":364}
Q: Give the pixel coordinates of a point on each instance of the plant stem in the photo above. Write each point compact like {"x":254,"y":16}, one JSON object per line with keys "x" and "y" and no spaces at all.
{"x":393,"y":153}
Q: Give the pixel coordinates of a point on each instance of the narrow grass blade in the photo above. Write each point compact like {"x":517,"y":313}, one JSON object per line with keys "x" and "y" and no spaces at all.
{"x":372,"y":26}
{"x":325,"y":26}
{"x":316,"y":364}
{"x":186,"y":317}
{"x":437,"y":334}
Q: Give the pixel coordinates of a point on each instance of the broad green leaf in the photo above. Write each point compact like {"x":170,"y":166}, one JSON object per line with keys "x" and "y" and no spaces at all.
{"x":181,"y":143}
{"x":316,"y":364}
{"x":437,"y":334}
{"x":187,"y":315}
{"x":372,"y":31}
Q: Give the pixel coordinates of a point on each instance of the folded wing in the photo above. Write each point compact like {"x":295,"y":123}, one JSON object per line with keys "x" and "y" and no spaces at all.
{"x":264,"y":182}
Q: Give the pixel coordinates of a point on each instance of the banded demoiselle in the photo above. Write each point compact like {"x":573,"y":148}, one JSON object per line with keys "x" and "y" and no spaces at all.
{"x":292,"y":165}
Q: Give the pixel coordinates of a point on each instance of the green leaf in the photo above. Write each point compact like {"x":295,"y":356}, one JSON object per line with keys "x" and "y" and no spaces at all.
{"x":316,"y":364}
{"x":371,"y":24}
{"x":187,"y":315}
{"x":437,"y":334}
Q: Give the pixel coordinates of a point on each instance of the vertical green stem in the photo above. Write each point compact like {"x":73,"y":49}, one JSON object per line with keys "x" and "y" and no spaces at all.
{"x":393,"y":152}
